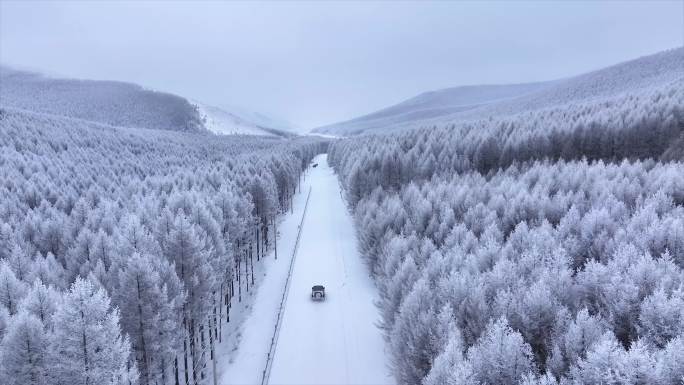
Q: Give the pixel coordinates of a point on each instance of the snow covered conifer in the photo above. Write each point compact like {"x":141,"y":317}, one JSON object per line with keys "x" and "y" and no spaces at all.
{"x":185,"y":250}
{"x":662,"y":317}
{"x":48,"y":271}
{"x":500,"y":356}
{"x":4,"y":321}
{"x":41,"y":301}
{"x":412,"y":338}
{"x":575,"y":341}
{"x":6,"y":242}
{"x":79,"y":257}
{"x":149,"y":315}
{"x":163,"y":228}
{"x":395,"y":288}
{"x":607,"y":362}
{"x":446,"y":368}
{"x":670,"y":363}
{"x":12,"y":290}
{"x":134,"y":237}
{"x":52,"y":237}
{"x":87,"y":347}
{"x":24,"y":352}
{"x":19,"y":262}
{"x":103,"y":249}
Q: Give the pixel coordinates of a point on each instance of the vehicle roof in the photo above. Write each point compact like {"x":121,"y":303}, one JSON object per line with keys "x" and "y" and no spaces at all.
{"x":318,"y":287}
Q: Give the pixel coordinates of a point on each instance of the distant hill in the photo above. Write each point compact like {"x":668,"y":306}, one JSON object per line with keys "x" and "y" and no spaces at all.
{"x":430,"y":105}
{"x":484,"y":101}
{"x":108,"y":102}
{"x":126,"y":105}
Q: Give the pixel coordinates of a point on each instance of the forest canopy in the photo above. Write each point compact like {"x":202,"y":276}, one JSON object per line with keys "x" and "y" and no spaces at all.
{"x":121,"y":249}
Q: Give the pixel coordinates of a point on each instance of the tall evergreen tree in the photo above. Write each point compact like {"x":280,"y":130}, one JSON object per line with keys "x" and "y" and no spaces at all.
{"x":149,"y":315}
{"x":88,"y":347}
{"x":24,"y":352}
{"x":12,"y":290}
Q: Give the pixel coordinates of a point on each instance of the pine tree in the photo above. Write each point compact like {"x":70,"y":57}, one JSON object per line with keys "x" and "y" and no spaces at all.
{"x":41,"y":301}
{"x":20,"y":263}
{"x":6,"y":241}
{"x":12,"y":290}
{"x":411,"y":338}
{"x":80,"y":256}
{"x":662,"y":317}
{"x":135,"y":238}
{"x":501,"y":356}
{"x":149,"y":315}
{"x":670,"y":363}
{"x":24,"y":352}
{"x":447,"y":368}
{"x":87,"y":347}
{"x":48,"y":271}
{"x":186,"y":250}
{"x":4,"y":321}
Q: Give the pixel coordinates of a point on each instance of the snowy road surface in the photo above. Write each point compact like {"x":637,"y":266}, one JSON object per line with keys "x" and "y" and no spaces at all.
{"x":242,"y":355}
{"x":330,"y":342}
{"x":335,"y":341}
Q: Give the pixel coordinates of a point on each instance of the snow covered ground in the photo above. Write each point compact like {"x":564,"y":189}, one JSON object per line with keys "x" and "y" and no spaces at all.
{"x":242,"y":354}
{"x":335,"y":341}
{"x":222,"y":122}
{"x":237,"y":121}
{"x":331,"y":342}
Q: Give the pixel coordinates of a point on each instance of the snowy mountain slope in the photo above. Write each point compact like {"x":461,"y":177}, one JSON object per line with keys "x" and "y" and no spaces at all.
{"x":647,"y":72}
{"x":236,"y":122}
{"x":108,"y":102}
{"x":478,"y":102}
{"x":127,"y":105}
{"x":430,"y":105}
{"x":262,"y":120}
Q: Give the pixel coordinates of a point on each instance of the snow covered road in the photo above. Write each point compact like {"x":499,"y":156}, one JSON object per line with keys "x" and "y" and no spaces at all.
{"x":335,"y":341}
{"x":330,"y":342}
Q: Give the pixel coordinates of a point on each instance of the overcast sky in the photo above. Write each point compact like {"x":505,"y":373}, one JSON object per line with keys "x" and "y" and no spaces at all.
{"x":317,"y":63}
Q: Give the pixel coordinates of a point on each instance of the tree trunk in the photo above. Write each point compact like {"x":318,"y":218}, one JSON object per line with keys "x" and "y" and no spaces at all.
{"x":175,"y":368}
{"x":144,"y":368}
{"x":185,"y":355}
{"x":246,"y":269}
{"x":252,"y":268}
{"x":85,"y":354}
{"x":213,"y":353}
{"x":220,"y":318}
{"x":238,"y":279}
{"x":257,"y":243}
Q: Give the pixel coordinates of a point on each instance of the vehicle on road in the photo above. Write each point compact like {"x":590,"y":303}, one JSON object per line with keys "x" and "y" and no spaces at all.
{"x":318,"y":293}
{"x":315,"y":165}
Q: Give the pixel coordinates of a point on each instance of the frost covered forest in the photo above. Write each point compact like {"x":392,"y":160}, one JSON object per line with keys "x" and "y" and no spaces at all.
{"x":513,"y":215}
{"x":122,"y":250}
{"x":540,"y":247}
{"x":107,"y":102}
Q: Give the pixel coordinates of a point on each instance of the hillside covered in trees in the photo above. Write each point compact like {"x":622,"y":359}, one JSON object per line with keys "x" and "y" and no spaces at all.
{"x":473,"y":103}
{"x":107,"y":102}
{"x":446,"y":192}
{"x":121,"y":250}
{"x":540,"y":246}
{"x":127,"y":105}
